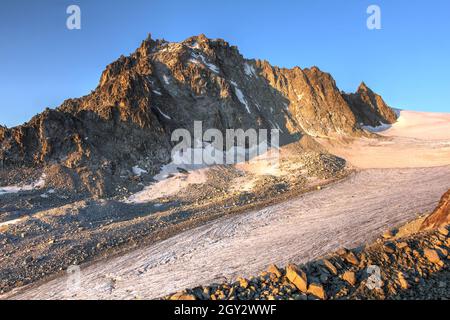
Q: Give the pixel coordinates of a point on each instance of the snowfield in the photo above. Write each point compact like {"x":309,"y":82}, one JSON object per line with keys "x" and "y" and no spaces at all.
{"x":417,"y":139}
{"x":20,"y":188}
{"x":399,"y":178}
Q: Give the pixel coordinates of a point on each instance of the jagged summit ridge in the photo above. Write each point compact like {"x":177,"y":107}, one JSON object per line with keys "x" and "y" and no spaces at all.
{"x":174,"y":77}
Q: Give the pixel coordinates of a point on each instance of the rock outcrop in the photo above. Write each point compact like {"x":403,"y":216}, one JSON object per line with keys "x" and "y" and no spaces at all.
{"x":140,"y":99}
{"x":441,"y":215}
{"x":370,"y":108}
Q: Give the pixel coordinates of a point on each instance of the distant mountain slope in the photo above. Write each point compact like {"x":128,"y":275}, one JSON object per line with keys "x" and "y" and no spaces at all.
{"x":369,"y":107}
{"x":128,"y":119}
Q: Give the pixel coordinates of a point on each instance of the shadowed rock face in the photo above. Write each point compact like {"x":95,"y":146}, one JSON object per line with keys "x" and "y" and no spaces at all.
{"x":128,"y":119}
{"x":369,"y":107}
{"x":441,"y":215}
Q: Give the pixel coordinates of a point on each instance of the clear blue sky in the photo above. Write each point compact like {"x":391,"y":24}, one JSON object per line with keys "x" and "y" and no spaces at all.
{"x":42,"y":62}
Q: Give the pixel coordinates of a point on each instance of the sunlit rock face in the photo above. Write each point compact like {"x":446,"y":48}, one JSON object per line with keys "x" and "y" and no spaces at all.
{"x":441,"y":215}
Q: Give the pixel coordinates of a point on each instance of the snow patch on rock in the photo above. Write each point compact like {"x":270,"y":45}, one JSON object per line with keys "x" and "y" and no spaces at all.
{"x":379,"y":128}
{"x":19,"y":188}
{"x":196,"y":56}
{"x":138,"y":171}
{"x":249,"y":70}
{"x":240,"y":96}
{"x":166,"y":79}
{"x":163,"y":114}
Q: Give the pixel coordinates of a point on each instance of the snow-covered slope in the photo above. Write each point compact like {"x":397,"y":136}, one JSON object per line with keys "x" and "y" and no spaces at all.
{"x":417,"y":139}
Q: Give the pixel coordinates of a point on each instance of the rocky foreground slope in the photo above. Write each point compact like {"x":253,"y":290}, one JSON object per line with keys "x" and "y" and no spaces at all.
{"x":396,"y":266}
{"x":93,"y":142}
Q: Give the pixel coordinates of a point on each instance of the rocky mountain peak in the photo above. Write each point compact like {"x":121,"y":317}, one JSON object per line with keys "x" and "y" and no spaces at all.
{"x":363,"y":88}
{"x":370,"y":107}
{"x":162,"y":86}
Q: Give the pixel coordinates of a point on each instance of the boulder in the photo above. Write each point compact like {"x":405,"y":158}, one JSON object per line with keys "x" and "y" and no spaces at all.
{"x":183,"y":296}
{"x":351,"y":258}
{"x":274,"y":270}
{"x":317,"y":290}
{"x":243,"y":282}
{"x":432,"y":256}
{"x":329,"y":266}
{"x":443,"y":231}
{"x":350,"y":277}
{"x":402,"y":280}
{"x":388,"y":234}
{"x":297,"y":277}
